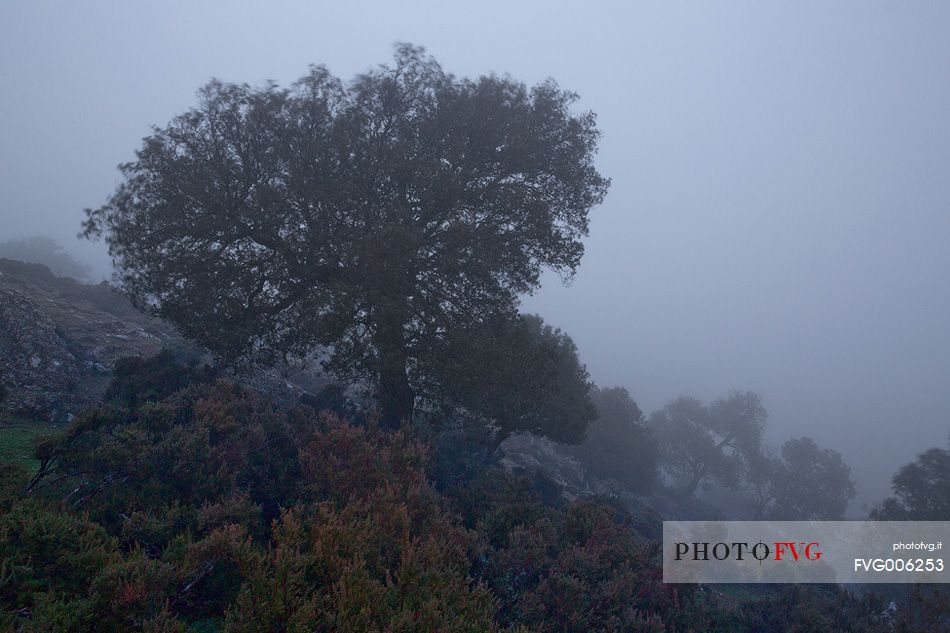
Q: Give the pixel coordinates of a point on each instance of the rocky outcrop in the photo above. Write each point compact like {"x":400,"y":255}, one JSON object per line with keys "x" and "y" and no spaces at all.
{"x":38,"y":368}
{"x":59,"y":339}
{"x":529,"y":454}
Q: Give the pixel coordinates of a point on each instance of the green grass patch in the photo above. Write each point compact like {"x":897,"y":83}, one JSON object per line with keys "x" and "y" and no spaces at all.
{"x":18,"y":436}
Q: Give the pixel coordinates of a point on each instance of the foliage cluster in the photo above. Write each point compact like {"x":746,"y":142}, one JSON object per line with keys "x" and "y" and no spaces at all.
{"x":921,"y":490}
{"x":619,"y":445}
{"x":718,"y":447}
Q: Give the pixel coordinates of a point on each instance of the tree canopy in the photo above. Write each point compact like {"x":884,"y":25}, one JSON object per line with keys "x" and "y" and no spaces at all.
{"x":518,"y":374}
{"x":713,"y":443}
{"x":369,"y":218}
{"x":808,"y":483}
{"x":921,"y":490}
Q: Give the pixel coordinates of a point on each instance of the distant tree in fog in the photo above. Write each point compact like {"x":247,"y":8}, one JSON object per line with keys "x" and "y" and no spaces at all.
{"x":47,"y":251}
{"x":760,"y":481}
{"x":618,"y":444}
{"x":809,"y":483}
{"x":373,"y":217}
{"x":712,"y":443}
{"x":921,"y":490}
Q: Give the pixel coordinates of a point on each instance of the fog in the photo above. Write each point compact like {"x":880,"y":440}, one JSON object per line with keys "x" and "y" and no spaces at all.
{"x":778,"y":219}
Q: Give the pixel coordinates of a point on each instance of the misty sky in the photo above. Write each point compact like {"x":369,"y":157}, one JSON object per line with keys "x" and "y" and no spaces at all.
{"x":779,"y":218}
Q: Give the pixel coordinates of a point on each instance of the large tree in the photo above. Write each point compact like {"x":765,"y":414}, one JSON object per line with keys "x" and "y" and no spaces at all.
{"x":369,"y":218}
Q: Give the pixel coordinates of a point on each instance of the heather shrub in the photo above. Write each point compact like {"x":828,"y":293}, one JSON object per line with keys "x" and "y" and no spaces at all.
{"x":210,"y":509}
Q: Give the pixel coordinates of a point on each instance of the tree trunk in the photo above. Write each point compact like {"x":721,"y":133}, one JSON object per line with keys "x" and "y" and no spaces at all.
{"x":395,"y":396}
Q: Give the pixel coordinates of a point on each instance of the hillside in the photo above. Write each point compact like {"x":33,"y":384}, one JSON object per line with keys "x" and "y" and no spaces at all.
{"x":209,"y":508}
{"x":60,"y":340}
{"x":176,"y":501}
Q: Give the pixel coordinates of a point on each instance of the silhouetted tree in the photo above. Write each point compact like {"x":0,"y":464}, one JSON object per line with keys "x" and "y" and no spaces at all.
{"x":39,"y":249}
{"x":370,"y":217}
{"x":618,"y":444}
{"x":809,"y":483}
{"x":714,"y":443}
{"x":921,"y":490}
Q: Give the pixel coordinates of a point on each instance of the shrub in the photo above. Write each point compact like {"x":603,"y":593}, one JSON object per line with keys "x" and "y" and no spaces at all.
{"x":136,"y":380}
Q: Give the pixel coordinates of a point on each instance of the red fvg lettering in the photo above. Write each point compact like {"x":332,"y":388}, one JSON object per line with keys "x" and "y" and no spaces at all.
{"x":797,"y":549}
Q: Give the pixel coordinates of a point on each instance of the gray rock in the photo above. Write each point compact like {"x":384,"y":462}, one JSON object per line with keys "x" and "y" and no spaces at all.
{"x":53,"y":355}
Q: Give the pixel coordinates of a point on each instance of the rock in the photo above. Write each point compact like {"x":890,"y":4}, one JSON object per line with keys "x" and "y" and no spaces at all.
{"x":54,"y":358}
